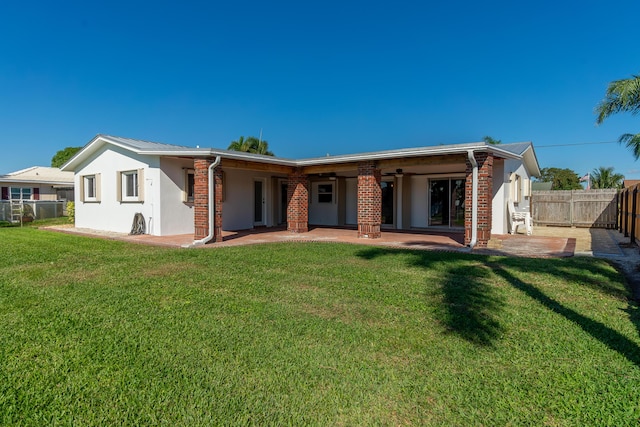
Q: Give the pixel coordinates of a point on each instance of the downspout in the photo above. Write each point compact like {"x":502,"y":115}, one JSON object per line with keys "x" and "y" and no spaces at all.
{"x":212,"y":209}
{"x":474,"y":200}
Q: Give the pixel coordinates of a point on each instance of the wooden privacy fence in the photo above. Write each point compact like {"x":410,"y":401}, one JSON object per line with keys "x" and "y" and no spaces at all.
{"x":629,"y":201}
{"x":576,"y":208}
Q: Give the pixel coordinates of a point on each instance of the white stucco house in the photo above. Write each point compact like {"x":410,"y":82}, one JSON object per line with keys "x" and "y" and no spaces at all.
{"x":183,"y":190}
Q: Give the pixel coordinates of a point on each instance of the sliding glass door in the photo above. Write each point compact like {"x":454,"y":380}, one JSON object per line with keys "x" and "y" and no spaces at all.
{"x":446,"y":202}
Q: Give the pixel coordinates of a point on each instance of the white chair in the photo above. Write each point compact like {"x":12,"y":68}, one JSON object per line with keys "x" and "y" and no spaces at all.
{"x":518,"y":218}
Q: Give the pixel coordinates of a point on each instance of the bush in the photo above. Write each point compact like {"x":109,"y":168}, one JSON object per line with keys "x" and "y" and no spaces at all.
{"x":71,"y":211}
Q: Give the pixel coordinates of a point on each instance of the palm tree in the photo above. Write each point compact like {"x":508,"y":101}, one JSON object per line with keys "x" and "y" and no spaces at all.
{"x":251,"y":145}
{"x":622,"y":96}
{"x":606,"y":178}
{"x":240,"y":145}
{"x":491,"y":141}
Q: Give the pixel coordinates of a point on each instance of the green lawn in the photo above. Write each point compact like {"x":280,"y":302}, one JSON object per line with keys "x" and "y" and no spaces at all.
{"x":96,"y":332}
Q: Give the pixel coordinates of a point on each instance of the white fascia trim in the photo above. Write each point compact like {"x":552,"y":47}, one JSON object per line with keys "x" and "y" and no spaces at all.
{"x":33,"y":181}
{"x":403,"y":153}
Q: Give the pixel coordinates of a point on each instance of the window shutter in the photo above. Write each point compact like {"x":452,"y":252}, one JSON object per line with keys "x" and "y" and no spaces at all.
{"x":5,"y":193}
{"x":36,"y":193}
{"x":119,"y":178}
{"x":81,"y":188}
{"x":98,"y":183}
{"x":141,"y":185}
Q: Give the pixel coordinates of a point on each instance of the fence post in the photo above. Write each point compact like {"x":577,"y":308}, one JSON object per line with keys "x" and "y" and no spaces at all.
{"x":571,"y":209}
{"x":633,"y":215}
{"x":618,"y":211}
{"x":626,"y":214}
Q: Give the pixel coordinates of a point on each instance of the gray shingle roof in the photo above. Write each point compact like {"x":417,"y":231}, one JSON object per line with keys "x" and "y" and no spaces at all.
{"x":516,"y":148}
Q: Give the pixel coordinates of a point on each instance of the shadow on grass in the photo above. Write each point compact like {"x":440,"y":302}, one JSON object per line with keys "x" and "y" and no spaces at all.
{"x":471,"y":304}
{"x":610,"y":337}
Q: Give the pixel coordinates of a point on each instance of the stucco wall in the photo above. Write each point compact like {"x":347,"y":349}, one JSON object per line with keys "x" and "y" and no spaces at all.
{"x":176,"y":215}
{"x":109,"y":214}
{"x":419,"y":201}
{"x":238,"y":203}
{"x":503,"y":179}
{"x":351,"y":200}
{"x":500,"y":190}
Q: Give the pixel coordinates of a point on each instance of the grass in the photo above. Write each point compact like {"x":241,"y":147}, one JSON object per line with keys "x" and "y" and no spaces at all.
{"x":37,"y":222}
{"x":96,"y":332}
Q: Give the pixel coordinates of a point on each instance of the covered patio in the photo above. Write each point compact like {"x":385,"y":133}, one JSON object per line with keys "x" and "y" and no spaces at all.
{"x":556,"y":244}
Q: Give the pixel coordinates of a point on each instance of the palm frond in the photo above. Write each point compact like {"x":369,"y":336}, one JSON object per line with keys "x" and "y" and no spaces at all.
{"x":621,"y":96}
{"x":632,"y":141}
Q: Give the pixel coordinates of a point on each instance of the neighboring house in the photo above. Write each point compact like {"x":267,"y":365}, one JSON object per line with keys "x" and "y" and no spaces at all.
{"x":462,"y":187}
{"x":44,"y":190}
{"x":37,"y":183}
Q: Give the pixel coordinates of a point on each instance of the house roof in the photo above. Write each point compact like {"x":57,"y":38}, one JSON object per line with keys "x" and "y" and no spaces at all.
{"x":527,"y":153}
{"x":39,"y":175}
{"x":520,"y":151}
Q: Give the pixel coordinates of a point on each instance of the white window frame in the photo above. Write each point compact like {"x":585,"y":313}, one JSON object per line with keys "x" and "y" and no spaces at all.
{"x":21,"y":192}
{"x":90,"y":188}
{"x":130,"y":186}
{"x":516,"y":188}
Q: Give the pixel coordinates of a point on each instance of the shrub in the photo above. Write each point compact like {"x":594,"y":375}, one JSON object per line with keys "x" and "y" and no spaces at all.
{"x":71,"y":211}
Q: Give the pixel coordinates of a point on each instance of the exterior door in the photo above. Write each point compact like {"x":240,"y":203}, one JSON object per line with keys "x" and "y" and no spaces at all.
{"x":446,"y":202}
{"x":258,"y":203}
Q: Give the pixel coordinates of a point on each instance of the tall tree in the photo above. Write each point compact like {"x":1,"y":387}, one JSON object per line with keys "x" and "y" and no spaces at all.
{"x":251,"y":145}
{"x":491,"y":141}
{"x":562,"y":179}
{"x":61,"y":157}
{"x":606,"y":178}
{"x":622,"y":96}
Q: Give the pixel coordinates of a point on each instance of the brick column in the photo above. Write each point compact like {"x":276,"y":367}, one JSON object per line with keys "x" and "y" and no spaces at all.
{"x":201,"y":200}
{"x":298,"y":202}
{"x":369,"y":200}
{"x":485,"y":199}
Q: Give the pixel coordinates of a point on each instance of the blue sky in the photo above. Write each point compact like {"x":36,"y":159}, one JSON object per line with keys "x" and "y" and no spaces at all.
{"x":317,"y":77}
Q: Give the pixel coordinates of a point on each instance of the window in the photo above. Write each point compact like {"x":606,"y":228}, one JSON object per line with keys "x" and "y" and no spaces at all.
{"x":325,"y":193}
{"x":516,"y":189}
{"x":18,"y":193}
{"x":90,"y":188}
{"x":189,"y":190}
{"x":130,"y":184}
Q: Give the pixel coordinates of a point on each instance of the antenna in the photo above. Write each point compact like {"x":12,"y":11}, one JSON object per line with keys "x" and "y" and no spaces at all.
{"x":260,"y":135}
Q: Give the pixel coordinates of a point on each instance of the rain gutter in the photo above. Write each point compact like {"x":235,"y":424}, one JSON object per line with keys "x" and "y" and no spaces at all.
{"x":212,"y":209}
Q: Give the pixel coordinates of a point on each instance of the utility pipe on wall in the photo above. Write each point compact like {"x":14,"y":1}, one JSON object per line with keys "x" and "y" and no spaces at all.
{"x":212,"y":199}
{"x":474,"y":199}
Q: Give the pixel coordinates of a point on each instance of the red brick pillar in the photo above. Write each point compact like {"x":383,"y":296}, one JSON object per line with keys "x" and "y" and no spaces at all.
{"x":201,"y":200}
{"x":369,"y":200}
{"x":298,"y":202}
{"x":485,"y":199}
